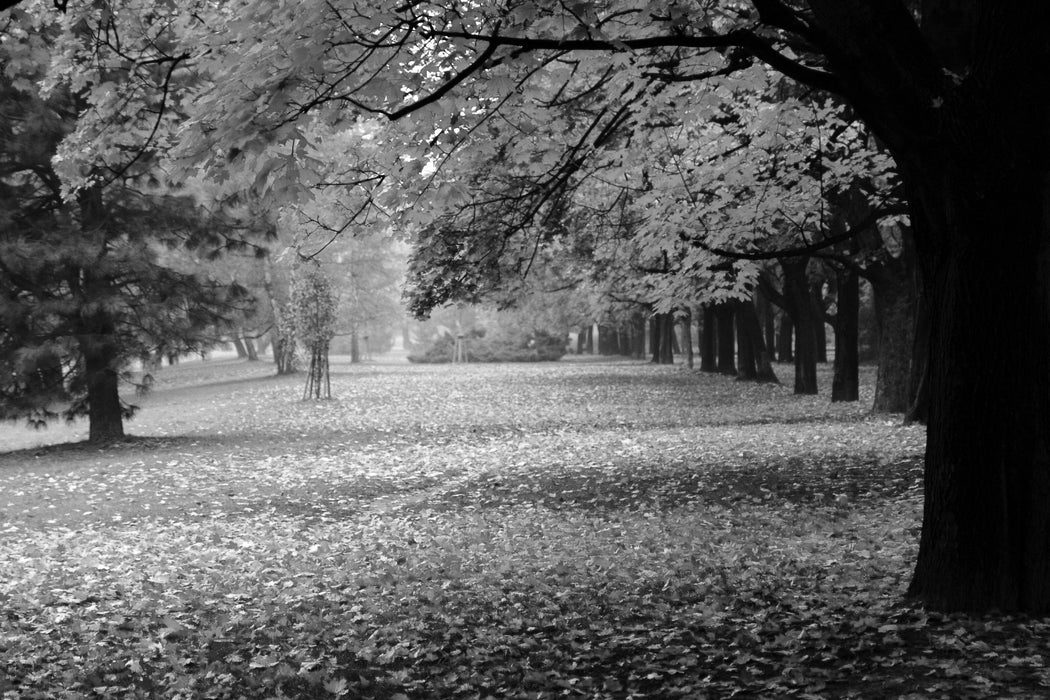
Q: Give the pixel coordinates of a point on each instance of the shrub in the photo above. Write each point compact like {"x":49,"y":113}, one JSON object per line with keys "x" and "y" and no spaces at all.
{"x":538,"y":346}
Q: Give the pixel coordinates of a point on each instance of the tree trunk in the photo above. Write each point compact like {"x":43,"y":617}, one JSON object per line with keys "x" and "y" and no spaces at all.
{"x":784,"y":337}
{"x":747,"y":370}
{"x":747,"y":317}
{"x":355,"y":347}
{"x":707,"y":340}
{"x":661,"y":338}
{"x":800,"y":306}
{"x":687,"y":326}
{"x":242,"y":352}
{"x":986,"y":523}
{"x":766,"y":321}
{"x":845,"y":383}
{"x":816,"y":296}
{"x":919,"y":382}
{"x":670,"y":341}
{"x":893,"y":285}
{"x":654,"y":338}
{"x":249,"y":347}
{"x":726,"y":344}
{"x":105,"y":412}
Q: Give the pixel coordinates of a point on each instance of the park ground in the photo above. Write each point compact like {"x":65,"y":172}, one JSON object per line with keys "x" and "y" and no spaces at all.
{"x":595,"y":529}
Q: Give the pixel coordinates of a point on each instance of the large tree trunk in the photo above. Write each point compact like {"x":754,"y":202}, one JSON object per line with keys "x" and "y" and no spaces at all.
{"x":845,"y":383}
{"x":986,"y":523}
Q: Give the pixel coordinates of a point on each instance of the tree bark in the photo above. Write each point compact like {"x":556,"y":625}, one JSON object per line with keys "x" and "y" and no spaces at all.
{"x":894,"y":286}
{"x":800,"y":306}
{"x":687,"y":327}
{"x":766,"y":320}
{"x":249,"y":347}
{"x":105,"y":412}
{"x":725,"y":342}
{"x":785,"y":335}
{"x":708,"y":335}
{"x":919,"y":381}
{"x":661,"y":338}
{"x":355,"y":347}
{"x":747,"y":370}
{"x":845,"y":383}
{"x":747,"y":317}
{"x":986,"y":523}
{"x":816,"y":296}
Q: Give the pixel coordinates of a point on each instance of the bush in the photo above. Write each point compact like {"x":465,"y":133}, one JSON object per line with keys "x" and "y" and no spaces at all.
{"x":539,"y":346}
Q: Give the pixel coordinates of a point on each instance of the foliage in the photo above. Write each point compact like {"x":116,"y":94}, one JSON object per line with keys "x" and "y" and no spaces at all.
{"x":313,"y":306}
{"x":501,"y":346}
{"x":313,"y":315}
{"x":600,"y":529}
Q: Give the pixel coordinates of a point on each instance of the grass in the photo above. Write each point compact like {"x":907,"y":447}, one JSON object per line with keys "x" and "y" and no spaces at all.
{"x":604,"y":529}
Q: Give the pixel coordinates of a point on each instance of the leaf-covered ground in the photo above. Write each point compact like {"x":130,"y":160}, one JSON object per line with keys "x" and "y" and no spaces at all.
{"x":577,"y":529}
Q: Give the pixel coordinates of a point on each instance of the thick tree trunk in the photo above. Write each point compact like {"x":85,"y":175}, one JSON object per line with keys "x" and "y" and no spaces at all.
{"x":845,"y":383}
{"x":105,"y":413}
{"x":986,"y":525}
{"x":726,"y":344}
{"x":238,"y":345}
{"x":801,"y":308}
{"x":708,"y":335}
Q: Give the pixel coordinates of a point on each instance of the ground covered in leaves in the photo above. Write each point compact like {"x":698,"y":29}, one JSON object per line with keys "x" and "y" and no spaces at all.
{"x":572,"y":529}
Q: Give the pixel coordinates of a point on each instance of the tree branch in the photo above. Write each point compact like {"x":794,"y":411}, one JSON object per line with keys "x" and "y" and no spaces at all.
{"x":742,"y":38}
{"x":859,"y":228}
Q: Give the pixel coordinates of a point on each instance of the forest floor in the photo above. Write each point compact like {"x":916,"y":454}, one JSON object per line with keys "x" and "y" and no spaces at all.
{"x":598,"y":529}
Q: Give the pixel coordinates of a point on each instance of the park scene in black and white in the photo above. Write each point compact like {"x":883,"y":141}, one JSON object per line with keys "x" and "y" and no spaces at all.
{"x":524,"y":349}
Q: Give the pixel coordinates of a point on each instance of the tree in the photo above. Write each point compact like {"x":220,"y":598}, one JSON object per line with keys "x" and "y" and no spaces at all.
{"x":313,"y":307}
{"x":84,"y":285}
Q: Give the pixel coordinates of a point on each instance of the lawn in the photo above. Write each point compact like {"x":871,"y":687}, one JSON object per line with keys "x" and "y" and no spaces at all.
{"x":598,"y":529}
